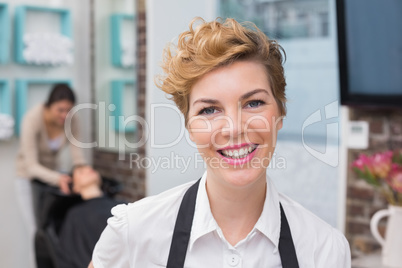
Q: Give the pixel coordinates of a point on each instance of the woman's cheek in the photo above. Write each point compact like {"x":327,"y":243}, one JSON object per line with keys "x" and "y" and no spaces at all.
{"x":203,"y":140}
{"x":201,"y":137}
{"x":258,"y":124}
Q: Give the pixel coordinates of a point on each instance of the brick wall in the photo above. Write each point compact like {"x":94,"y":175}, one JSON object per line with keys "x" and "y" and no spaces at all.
{"x":362,"y":200}
{"x":108,"y":163}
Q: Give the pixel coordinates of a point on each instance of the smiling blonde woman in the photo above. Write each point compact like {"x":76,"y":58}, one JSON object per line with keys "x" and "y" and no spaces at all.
{"x":227,"y":79}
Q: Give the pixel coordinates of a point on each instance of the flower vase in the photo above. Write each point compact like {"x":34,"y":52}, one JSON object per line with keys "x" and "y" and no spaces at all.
{"x":392,"y":243}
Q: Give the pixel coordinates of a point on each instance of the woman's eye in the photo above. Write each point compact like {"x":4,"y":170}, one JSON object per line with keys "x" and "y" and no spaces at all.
{"x":208,"y":110}
{"x":254,"y":103}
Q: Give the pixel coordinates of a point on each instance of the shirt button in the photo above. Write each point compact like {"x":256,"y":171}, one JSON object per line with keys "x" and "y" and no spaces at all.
{"x":233,"y":260}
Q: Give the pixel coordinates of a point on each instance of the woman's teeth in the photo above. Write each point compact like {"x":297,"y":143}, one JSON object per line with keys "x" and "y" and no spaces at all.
{"x":240,"y":153}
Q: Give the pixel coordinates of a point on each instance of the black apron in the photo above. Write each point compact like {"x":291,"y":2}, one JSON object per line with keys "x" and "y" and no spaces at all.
{"x":182,"y":230}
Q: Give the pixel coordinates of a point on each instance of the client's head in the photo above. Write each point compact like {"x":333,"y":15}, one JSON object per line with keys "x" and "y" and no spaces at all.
{"x":85,"y":176}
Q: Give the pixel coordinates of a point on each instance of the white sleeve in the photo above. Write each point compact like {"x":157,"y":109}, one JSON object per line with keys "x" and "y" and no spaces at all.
{"x":336,"y":252}
{"x":111,"y":251}
{"x":341,"y":245}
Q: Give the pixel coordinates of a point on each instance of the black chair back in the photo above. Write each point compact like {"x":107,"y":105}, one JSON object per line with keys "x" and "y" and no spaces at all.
{"x":50,"y":208}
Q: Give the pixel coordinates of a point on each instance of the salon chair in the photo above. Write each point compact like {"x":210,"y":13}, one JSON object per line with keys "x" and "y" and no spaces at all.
{"x":50,"y":208}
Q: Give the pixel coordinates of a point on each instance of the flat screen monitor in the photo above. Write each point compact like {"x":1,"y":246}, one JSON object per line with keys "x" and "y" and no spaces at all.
{"x":370,"y":52}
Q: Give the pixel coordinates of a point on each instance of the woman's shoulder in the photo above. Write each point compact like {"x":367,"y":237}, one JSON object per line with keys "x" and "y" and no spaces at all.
{"x":32,"y":119}
{"x":143,"y":226}
{"x":305,"y":218}
{"x":163,"y":206}
{"x":166,"y":197}
{"x":169,"y":196}
{"x":314,"y":234}
{"x":35,"y":113}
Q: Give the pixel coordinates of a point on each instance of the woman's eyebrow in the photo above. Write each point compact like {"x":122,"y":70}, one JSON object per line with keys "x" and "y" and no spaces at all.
{"x":245,"y":96}
{"x":204,"y":100}
{"x":251,"y":93}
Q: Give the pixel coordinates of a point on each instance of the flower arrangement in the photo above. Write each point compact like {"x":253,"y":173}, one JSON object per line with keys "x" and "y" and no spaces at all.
{"x":383,"y":171}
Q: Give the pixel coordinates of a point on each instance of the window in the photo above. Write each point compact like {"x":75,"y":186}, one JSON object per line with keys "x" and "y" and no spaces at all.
{"x":282,"y":19}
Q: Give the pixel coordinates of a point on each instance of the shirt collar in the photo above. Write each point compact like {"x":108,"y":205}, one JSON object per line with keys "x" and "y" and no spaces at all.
{"x":270,"y":220}
{"x":203,"y":221}
{"x":268,"y":223}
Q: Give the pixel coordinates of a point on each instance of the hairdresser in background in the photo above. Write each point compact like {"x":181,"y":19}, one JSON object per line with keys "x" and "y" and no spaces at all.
{"x":42,"y":137}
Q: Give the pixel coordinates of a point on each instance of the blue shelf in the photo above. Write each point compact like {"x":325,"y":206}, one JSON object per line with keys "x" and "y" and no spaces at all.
{"x":20,"y":21}
{"x":5,"y":98}
{"x":115,"y":28}
{"x":117,"y":98}
{"x":4,"y":33}
{"x":21,"y":91}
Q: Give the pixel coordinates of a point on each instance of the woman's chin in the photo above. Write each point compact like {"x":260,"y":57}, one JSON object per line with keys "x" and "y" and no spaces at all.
{"x":239,"y":178}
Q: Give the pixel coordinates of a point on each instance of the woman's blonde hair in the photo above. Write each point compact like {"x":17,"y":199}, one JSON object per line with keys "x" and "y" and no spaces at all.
{"x":209,"y":45}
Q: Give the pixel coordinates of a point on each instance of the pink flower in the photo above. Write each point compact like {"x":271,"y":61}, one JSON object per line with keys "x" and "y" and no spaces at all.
{"x":395,"y":178}
{"x":363,"y":164}
{"x":381,"y":164}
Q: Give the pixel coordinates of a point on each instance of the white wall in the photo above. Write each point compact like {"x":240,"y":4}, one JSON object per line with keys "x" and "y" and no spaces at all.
{"x":165,"y":21}
{"x":13,"y":249}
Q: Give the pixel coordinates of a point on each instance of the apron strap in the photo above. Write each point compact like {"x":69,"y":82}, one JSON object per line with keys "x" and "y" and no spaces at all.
{"x":182,"y":228}
{"x":184,"y":222}
{"x":286,"y":247}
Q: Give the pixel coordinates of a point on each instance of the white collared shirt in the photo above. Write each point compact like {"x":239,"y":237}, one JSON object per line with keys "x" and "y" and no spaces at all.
{"x":139,"y":235}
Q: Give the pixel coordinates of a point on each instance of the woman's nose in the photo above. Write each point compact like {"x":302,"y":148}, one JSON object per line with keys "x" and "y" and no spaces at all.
{"x":232,"y":124}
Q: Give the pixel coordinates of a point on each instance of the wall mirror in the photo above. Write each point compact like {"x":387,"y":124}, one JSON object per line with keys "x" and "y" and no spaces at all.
{"x":115,"y":74}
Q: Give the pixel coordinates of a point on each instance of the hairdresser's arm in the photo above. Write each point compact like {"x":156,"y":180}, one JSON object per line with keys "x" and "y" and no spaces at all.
{"x":91,"y":265}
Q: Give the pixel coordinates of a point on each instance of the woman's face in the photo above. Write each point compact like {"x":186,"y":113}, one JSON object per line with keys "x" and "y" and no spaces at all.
{"x":58,"y":111}
{"x":234,"y":119}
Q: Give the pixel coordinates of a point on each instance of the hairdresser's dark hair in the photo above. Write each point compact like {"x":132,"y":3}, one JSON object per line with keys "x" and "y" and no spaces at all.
{"x":60,"y":92}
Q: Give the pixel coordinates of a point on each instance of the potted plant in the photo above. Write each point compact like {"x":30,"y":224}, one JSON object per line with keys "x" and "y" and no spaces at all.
{"x":384,"y":171}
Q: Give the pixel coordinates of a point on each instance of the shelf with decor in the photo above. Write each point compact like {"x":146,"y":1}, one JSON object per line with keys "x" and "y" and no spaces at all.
{"x":4,"y":33}
{"x":6,"y":118}
{"x":40,"y":46}
{"x":122,"y":27}
{"x":123,"y":93}
{"x":5,"y":97}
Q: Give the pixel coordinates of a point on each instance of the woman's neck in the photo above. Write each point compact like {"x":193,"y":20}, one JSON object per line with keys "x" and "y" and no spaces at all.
{"x":46,"y":115}
{"x":53,"y":130}
{"x":236,"y":210}
{"x":47,"y":119}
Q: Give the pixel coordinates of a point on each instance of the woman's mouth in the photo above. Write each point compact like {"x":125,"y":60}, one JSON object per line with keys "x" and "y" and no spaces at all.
{"x":238,"y":153}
